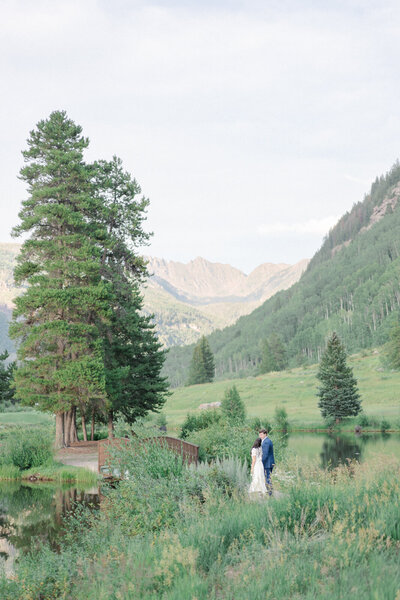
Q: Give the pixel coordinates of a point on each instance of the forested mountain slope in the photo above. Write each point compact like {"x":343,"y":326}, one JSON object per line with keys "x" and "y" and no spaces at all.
{"x":351,"y":286}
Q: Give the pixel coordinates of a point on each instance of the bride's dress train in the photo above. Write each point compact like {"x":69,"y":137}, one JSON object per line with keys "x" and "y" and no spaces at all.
{"x":258,"y":478}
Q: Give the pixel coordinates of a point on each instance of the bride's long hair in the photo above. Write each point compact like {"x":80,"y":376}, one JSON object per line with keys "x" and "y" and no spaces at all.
{"x":257,"y":443}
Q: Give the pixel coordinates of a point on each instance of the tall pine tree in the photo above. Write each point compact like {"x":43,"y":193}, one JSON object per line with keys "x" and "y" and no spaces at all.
{"x":132,"y":353}
{"x":84,"y":342}
{"x":55,"y":318}
{"x":338,"y":393}
{"x":202,"y":367}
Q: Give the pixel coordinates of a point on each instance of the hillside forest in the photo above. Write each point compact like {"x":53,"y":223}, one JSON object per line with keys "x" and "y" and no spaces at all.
{"x":351,"y":286}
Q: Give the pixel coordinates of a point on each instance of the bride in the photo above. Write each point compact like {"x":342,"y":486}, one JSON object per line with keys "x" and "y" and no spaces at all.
{"x":257,"y":470}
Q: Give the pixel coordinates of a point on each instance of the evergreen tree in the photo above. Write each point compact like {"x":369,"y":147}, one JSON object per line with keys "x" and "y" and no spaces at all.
{"x":278,"y":352}
{"x":274,"y":356}
{"x":232,"y":406}
{"x":55,"y":318}
{"x":202,"y":369}
{"x":392,"y":349}
{"x":133,"y":355}
{"x":267,"y":362}
{"x":338,"y":393}
{"x":6,"y":379}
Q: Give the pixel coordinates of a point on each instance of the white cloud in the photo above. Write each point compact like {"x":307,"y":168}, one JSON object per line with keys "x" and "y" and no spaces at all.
{"x":310,"y":227}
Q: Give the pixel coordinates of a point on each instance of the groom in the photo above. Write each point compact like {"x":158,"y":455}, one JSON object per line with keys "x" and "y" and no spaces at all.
{"x":268,"y":459}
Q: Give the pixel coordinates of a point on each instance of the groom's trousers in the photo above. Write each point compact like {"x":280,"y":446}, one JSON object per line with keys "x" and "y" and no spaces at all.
{"x":268,"y":482}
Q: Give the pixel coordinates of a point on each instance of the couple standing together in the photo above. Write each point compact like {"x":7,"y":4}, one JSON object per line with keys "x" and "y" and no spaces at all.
{"x":263,"y":461}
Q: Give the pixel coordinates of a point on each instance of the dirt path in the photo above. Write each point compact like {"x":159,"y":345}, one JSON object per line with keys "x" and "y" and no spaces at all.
{"x":80,"y":454}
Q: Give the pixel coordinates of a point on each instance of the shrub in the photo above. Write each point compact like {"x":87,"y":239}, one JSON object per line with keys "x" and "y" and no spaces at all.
{"x":363,"y":420}
{"x":385,"y":425}
{"x":222,"y":440}
{"x":26,"y":449}
{"x":281,"y":418}
{"x":198,"y":422}
{"x":255,"y":423}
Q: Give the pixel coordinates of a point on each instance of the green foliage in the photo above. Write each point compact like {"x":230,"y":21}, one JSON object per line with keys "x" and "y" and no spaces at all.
{"x":161,"y":420}
{"x":338,"y":393}
{"x":222,"y":440}
{"x":9,"y":472}
{"x":274,"y":356}
{"x":392,"y":348}
{"x":25,"y":449}
{"x":202,"y":369}
{"x":281,"y":418}
{"x":352,"y":290}
{"x":232,"y":406}
{"x":333,"y":535}
{"x":255,"y":423}
{"x":83,"y":340}
{"x":60,"y":351}
{"x":132,"y":354}
{"x":385,"y":425}
{"x":364,"y":420}
{"x":200,"y":421}
{"x":6,"y":380}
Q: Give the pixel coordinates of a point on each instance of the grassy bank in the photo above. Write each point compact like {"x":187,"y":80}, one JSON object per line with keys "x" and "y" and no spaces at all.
{"x":176,"y":533}
{"x":295,"y":390}
{"x":54,"y":471}
{"x":26,"y":453}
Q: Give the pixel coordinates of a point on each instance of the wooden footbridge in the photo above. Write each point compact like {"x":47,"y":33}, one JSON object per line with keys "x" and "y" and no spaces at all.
{"x":189,"y":452}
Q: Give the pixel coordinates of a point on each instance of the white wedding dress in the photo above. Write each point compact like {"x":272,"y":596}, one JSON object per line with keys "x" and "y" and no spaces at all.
{"x":258,"y":478}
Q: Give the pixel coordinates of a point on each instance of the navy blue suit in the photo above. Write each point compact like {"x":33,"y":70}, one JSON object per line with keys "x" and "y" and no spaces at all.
{"x":268,"y":461}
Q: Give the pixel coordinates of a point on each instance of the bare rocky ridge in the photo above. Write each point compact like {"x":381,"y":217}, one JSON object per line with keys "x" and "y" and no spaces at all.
{"x":203,"y":282}
{"x":187,"y":300}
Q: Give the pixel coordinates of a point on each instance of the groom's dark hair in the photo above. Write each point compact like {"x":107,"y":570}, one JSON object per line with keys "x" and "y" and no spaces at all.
{"x":263,"y":431}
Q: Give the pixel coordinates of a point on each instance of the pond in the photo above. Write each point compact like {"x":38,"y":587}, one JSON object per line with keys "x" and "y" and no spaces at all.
{"x":34,"y":512}
{"x":333,"y":449}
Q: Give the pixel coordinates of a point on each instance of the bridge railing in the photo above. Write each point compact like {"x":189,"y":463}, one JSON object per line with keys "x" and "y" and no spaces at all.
{"x":188,"y":451}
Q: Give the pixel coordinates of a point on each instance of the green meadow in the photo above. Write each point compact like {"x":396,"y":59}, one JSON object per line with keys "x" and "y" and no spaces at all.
{"x":25,"y":418}
{"x":295,"y":390}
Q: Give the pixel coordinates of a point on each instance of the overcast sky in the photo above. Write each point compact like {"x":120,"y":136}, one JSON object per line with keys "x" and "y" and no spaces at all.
{"x":251,"y":126}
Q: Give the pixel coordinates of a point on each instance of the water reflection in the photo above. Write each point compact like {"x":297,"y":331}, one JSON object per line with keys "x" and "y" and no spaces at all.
{"x":32,"y":513}
{"x":334,"y":449}
{"x":338,"y":450}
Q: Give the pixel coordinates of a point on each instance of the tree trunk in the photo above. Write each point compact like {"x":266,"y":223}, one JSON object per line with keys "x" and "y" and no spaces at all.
{"x":67,"y":427}
{"x":70,"y":435}
{"x":60,"y":440}
{"x":84,"y":426}
{"x":74,"y":429}
{"x":110,"y":425}
{"x":92,"y":427}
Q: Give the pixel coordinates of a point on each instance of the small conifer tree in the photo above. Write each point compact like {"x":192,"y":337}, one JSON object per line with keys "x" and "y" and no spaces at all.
{"x":232,"y":406}
{"x":338,"y":393}
{"x":202,"y":367}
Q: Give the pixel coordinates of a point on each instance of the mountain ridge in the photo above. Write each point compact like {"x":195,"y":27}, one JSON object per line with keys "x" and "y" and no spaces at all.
{"x":351,"y":286}
{"x":186,"y":300}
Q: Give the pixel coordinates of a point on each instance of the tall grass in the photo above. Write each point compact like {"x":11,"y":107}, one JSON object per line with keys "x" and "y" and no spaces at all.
{"x":173,"y":532}
{"x":9,"y":472}
{"x":25,"y":448}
